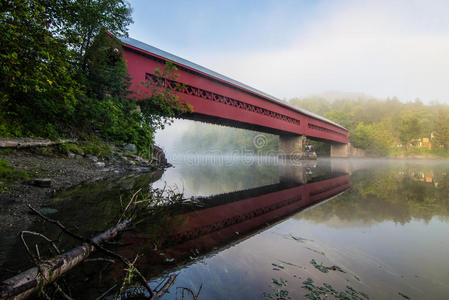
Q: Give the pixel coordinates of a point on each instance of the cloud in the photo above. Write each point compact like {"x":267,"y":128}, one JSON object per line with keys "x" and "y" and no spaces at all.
{"x":382,"y":48}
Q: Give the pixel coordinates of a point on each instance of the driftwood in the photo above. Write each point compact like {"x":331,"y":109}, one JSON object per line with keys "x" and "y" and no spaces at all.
{"x":166,"y":287}
{"x":30,"y":143}
{"x":26,"y":283}
{"x":45,"y":272}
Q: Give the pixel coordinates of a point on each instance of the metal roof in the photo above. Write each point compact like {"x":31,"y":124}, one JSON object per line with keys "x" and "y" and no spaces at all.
{"x":181,"y":61}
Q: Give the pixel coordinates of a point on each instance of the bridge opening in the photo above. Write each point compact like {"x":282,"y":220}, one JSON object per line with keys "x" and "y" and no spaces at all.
{"x":188,"y":137}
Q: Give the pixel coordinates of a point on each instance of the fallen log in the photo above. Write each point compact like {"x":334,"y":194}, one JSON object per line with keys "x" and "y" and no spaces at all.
{"x":30,"y":281}
{"x":30,"y":143}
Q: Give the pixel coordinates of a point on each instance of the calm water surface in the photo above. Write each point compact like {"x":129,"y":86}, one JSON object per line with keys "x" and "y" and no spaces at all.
{"x":388,"y":232}
{"x":358,"y":229}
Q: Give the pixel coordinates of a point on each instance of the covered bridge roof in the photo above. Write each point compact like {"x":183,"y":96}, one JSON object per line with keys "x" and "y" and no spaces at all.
{"x":205,"y":71}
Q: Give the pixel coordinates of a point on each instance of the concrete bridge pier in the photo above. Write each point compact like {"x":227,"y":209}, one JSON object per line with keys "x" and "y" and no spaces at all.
{"x":340,"y":150}
{"x":294,"y":147}
{"x":346,"y":150}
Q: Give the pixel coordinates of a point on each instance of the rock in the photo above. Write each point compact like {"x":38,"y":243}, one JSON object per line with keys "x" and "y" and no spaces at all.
{"x":48,"y":210}
{"x":140,"y":160}
{"x":158,"y":156}
{"x":130,"y":148}
{"x":100,"y":164}
{"x":140,"y":169}
{"x":40,"y":182}
{"x":71,"y":154}
{"x":92,"y":158}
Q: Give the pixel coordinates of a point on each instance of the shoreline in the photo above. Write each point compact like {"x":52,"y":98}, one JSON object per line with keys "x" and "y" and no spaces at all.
{"x":58,"y":172}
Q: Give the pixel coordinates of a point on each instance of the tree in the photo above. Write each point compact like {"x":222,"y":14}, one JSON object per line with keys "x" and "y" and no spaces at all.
{"x":341,"y":117}
{"x":441,"y":132}
{"x":374,"y":138}
{"x":37,"y":91}
{"x":107,"y":76}
{"x":409,"y":129}
{"x":84,"y":19}
{"x":62,"y":74}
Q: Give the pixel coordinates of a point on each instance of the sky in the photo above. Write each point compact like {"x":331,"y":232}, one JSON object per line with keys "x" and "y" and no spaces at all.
{"x":301,"y":48}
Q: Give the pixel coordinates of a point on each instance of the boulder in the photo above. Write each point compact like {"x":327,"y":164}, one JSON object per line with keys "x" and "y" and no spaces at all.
{"x":100,"y":164}
{"x":92,"y":158}
{"x":130,"y":148}
{"x":158,"y":156}
{"x":40,"y":182}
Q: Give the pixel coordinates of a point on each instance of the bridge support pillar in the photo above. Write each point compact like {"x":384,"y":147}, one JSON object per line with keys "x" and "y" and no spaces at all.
{"x":346,"y":150}
{"x":294,"y":147}
{"x":340,"y":150}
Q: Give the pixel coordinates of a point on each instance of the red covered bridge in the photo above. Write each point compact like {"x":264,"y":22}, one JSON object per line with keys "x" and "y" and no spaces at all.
{"x":220,"y":100}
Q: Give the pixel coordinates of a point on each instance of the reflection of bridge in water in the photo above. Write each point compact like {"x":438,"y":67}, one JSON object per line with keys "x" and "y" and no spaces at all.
{"x":224,"y":218}
{"x":230,"y":216}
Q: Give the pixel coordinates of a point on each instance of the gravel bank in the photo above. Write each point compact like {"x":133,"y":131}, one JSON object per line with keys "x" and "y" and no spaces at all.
{"x":64,"y":171}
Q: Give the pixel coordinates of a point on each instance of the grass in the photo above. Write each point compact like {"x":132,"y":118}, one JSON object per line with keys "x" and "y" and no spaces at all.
{"x":74,"y":148}
{"x":8,"y":173}
{"x":97,"y":149}
{"x":94,"y":147}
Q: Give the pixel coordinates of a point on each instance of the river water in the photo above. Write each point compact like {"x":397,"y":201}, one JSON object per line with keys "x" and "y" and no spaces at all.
{"x":257,"y":228}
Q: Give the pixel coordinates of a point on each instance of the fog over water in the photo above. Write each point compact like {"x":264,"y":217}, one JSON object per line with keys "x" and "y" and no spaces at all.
{"x":169,"y":137}
{"x":192,"y":137}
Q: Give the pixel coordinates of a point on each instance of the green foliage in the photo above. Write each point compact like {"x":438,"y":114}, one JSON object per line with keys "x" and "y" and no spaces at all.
{"x":385,"y":127}
{"x":375,"y":138}
{"x":74,"y":148}
{"x":163,"y":103}
{"x":345,"y":119}
{"x":62,"y":74}
{"x":279,"y":291}
{"x":79,"y":22}
{"x":441,"y":132}
{"x":409,"y":129}
{"x":106,"y":68}
{"x":320,"y":267}
{"x":96,"y":148}
{"x":8,"y":173}
{"x":317,"y":292}
{"x":37,"y":92}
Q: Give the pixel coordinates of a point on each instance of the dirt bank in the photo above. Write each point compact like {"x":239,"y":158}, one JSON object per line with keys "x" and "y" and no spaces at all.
{"x":51,"y":172}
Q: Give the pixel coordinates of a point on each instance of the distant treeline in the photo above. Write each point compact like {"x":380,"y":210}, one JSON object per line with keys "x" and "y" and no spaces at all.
{"x":386,"y":127}
{"x":383,"y":127}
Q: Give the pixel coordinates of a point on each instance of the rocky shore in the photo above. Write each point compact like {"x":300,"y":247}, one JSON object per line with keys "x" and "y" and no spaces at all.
{"x":51,"y":172}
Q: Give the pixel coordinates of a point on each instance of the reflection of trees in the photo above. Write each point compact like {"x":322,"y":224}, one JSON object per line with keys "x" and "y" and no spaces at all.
{"x":392,"y":194}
